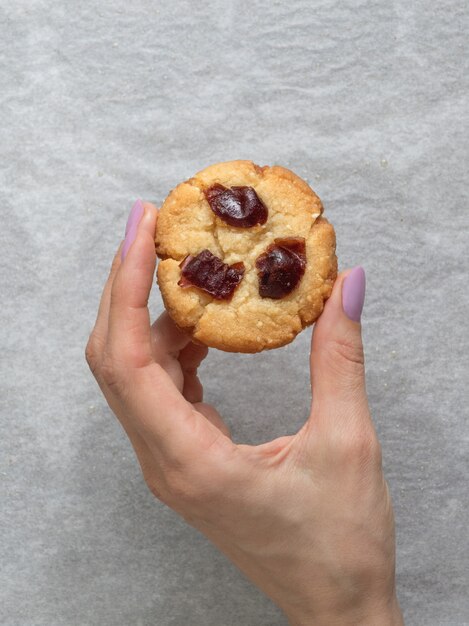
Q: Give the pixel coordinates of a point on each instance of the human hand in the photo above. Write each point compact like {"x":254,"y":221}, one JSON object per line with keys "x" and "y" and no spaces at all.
{"x":307,"y":517}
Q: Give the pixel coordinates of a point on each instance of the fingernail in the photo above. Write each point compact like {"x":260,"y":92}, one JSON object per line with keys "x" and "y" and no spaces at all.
{"x":131,"y":227}
{"x":134,"y":215}
{"x":353,"y":293}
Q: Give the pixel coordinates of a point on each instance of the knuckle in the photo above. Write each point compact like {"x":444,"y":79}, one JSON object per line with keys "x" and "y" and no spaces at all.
{"x":154,"y":487}
{"x":191,"y":485}
{"x":91,"y":353}
{"x":117,"y":293}
{"x":151,"y":477}
{"x":361,"y":447}
{"x":348,"y":351}
{"x":346,"y":359}
{"x":110,"y":373}
{"x":376,"y":452}
{"x":179,"y":488}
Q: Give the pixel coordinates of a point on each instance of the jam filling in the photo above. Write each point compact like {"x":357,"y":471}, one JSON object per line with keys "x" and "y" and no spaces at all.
{"x":281,"y":267}
{"x":206,"y":271}
{"x":237,"y":206}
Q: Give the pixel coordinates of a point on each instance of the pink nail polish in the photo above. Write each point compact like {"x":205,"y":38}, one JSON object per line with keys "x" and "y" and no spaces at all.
{"x":353,"y":293}
{"x":135,"y":213}
{"x":131,"y":226}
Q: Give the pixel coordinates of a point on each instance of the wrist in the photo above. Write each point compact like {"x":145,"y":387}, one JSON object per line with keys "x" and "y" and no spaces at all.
{"x":390,"y":615}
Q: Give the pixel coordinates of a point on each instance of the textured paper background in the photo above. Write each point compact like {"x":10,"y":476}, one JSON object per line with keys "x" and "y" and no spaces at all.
{"x":102,"y":102}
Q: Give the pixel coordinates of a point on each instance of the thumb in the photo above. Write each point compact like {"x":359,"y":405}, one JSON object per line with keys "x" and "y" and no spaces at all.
{"x":337,"y":361}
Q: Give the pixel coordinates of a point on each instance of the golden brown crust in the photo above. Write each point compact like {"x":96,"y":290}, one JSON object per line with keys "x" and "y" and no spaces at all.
{"x":247,"y":323}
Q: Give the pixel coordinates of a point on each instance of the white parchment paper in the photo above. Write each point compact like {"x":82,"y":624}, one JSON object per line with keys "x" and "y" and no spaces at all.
{"x":101,"y":103}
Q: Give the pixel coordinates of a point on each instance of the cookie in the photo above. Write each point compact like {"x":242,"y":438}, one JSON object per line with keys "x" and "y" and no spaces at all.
{"x":247,"y":260}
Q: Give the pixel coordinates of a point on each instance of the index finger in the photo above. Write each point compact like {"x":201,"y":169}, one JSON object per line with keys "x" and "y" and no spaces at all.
{"x":129,"y":336}
{"x":169,"y":424}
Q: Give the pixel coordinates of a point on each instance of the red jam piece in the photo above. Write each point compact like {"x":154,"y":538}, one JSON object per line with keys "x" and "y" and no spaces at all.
{"x":281,"y":267}
{"x":206,"y":271}
{"x":237,"y":206}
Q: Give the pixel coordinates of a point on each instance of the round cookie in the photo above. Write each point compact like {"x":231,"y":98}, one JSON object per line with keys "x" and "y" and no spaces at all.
{"x":222,"y":246}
